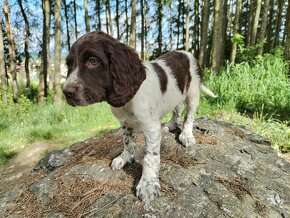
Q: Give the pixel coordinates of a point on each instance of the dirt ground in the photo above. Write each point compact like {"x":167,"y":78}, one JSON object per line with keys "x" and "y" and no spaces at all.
{"x":12,"y":173}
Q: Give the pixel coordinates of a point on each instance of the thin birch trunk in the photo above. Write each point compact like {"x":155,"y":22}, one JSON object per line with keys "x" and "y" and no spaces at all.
{"x":57,"y":54}
{"x":12,"y":51}
{"x":3,"y":85}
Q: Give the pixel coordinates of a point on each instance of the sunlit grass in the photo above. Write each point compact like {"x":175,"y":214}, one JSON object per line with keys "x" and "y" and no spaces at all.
{"x":64,"y":125}
{"x":262,"y":87}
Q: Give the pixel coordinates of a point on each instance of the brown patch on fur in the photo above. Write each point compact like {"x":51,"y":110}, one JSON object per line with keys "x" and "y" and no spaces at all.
{"x":236,"y":186}
{"x":162,"y":77}
{"x":179,"y":64}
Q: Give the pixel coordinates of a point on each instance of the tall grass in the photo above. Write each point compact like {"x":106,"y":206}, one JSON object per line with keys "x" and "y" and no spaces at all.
{"x":261,"y":87}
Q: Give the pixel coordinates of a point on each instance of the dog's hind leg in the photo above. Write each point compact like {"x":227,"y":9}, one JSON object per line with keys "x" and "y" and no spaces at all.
{"x":127,"y":155}
{"x":186,"y":137}
{"x":172,"y":124}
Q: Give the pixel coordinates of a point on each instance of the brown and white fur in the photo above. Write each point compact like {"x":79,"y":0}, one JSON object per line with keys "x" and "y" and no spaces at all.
{"x":140,"y":93}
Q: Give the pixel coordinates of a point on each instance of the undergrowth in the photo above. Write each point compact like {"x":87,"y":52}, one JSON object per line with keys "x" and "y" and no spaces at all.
{"x":261,"y":87}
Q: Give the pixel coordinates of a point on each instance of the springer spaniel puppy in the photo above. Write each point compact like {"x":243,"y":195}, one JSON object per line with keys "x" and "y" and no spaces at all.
{"x":140,"y":93}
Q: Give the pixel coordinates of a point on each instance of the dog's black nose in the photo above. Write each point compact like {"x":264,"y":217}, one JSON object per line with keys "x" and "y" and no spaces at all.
{"x":69,"y":91}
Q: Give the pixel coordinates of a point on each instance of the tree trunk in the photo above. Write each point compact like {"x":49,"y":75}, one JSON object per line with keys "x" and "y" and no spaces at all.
{"x":127,"y":23}
{"x":26,"y":44}
{"x":142,"y":28}
{"x":107,"y":20}
{"x":42,"y":87}
{"x":287,"y":44}
{"x":196,"y":29}
{"x":109,"y":17}
{"x":187,"y":27}
{"x":12,"y":51}
{"x":57,"y":53}
{"x":117,"y":19}
{"x":269,"y":34}
{"x":263,"y":28}
{"x":75,"y":18}
{"x":178,"y":23}
{"x":256,"y":22}
{"x":159,"y":20}
{"x":251,"y":14}
{"x":3,"y":85}
{"x":66,"y":23}
{"x":146,"y":43}
{"x":170,"y":26}
{"x":87,"y":18}
{"x":204,"y":32}
{"x":224,"y":26}
{"x":278,"y":22}
{"x":183,"y":24}
{"x":236,"y":30}
{"x":98,"y":8}
{"x":132,"y":42}
{"x":217,"y":55}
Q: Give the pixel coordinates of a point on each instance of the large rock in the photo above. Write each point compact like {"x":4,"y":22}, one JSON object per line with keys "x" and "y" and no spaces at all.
{"x":230,"y":172}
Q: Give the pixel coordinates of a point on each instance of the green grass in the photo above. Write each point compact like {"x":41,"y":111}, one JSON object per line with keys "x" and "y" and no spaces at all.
{"x":5,"y":155}
{"x":255,"y":95}
{"x":261,"y":87}
{"x":63,"y":126}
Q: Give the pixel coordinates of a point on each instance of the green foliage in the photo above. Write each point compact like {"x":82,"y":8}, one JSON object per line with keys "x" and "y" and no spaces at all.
{"x":5,"y":156}
{"x":239,"y":40}
{"x":245,"y":53}
{"x":37,"y":134}
{"x":261,"y":88}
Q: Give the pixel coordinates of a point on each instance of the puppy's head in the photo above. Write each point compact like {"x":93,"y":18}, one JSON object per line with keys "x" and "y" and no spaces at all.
{"x":100,"y":68}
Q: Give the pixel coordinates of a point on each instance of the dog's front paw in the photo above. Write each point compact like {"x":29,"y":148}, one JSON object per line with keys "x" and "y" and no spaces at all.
{"x":186,"y":139}
{"x":118,"y":163}
{"x":148,"y":190}
{"x":165,"y":129}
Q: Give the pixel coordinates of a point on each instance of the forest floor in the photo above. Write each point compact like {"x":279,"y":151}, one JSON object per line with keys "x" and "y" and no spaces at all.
{"x":19,"y":167}
{"x":12,"y":173}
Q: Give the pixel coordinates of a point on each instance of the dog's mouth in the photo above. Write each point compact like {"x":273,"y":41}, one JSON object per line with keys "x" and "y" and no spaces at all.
{"x":83,"y":98}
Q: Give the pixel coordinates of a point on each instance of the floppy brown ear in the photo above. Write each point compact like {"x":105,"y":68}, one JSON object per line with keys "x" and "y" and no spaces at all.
{"x":127,"y":74}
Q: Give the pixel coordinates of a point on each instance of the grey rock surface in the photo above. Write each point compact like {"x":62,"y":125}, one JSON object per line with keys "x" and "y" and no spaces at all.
{"x":230,"y":172}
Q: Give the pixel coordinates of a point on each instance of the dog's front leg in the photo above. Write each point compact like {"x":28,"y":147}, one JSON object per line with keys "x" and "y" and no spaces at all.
{"x":149,"y":186}
{"x":128,"y":152}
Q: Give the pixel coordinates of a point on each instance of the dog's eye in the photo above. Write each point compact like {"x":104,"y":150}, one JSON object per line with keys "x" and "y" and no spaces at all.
{"x":93,"y":61}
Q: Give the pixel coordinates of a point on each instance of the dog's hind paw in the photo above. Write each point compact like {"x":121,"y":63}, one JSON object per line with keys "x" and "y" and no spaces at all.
{"x":169,"y":127}
{"x":148,"y":190}
{"x":186,"y":140}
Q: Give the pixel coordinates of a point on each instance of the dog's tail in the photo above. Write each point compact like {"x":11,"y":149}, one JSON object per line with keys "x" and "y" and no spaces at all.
{"x":207,"y":91}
